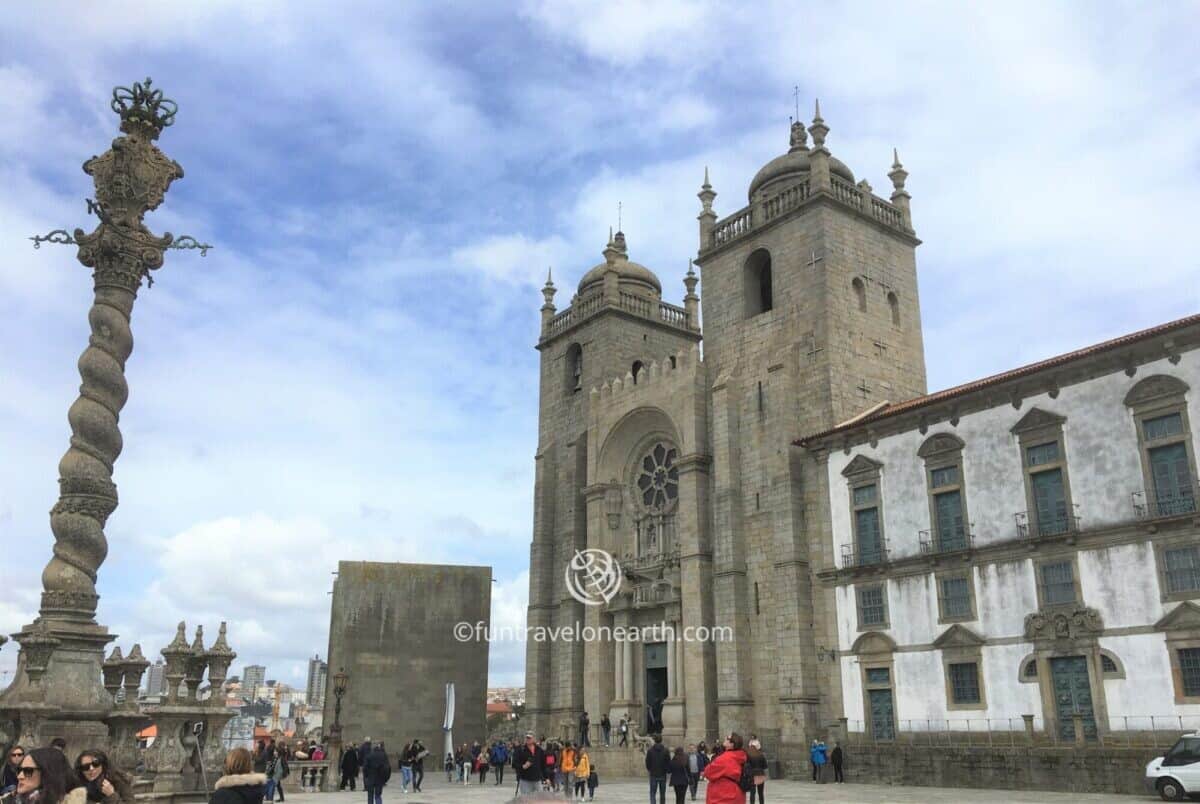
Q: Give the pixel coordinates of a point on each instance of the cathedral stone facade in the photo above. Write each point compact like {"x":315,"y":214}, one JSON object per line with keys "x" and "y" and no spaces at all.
{"x":680,"y":461}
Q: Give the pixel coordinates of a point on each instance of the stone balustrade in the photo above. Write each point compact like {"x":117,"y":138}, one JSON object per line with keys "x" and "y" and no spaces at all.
{"x":750,"y":218}
{"x":645,"y":307}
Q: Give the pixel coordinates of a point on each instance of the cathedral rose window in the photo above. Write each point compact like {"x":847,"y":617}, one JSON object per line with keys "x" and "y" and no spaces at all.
{"x":658,"y":479}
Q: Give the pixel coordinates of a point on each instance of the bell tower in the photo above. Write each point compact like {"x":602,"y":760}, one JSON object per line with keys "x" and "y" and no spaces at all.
{"x":811,"y":317}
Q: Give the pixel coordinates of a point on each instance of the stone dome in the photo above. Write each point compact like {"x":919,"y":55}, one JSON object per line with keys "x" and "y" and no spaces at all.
{"x":631,"y":276}
{"x":794,"y":164}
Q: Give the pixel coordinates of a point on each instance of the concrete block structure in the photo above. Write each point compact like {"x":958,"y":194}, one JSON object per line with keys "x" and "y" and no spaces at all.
{"x":391,"y":629}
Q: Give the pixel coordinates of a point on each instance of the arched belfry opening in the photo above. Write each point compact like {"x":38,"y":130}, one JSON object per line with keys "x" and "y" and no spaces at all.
{"x":758,"y":283}
{"x":574,"y":367}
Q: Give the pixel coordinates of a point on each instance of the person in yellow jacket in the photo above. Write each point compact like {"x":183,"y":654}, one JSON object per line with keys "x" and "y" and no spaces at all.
{"x":583,"y":769}
{"x":567,"y":766}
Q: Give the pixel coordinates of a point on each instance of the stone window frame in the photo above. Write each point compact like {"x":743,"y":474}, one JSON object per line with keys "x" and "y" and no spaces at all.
{"x":942,"y":451}
{"x":860,"y":293}
{"x":961,"y":645}
{"x":875,"y":651}
{"x":887,"y":609}
{"x":1031,"y":659}
{"x":756,"y":304}
{"x":894,"y":306}
{"x":859,"y":473}
{"x":1182,"y":630}
{"x":573,"y":357}
{"x":1035,"y":428}
{"x":1072,"y":559}
{"x":1160,"y":547}
{"x":1118,"y":672}
{"x":969,"y":574}
{"x":1152,"y":397}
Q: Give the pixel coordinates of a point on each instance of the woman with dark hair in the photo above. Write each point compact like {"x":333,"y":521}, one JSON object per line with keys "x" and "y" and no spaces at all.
{"x":104,"y":783}
{"x":45,"y":777}
{"x":8,"y":777}
{"x":239,"y":784}
{"x":679,"y":774}
{"x":724,"y":773}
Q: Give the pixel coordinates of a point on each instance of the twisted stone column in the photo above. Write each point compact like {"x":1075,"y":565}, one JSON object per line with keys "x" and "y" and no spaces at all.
{"x":131,"y":179}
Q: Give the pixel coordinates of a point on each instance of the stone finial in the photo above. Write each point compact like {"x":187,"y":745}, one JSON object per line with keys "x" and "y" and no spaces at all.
{"x":818,"y":129}
{"x":691,"y":301}
{"x":548,"y":291}
{"x":198,"y":642}
{"x":900,"y":196}
{"x":799,"y":138}
{"x":707,"y":217}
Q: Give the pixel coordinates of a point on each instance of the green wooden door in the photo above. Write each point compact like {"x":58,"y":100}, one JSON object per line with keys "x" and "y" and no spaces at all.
{"x":870,"y":544}
{"x":1173,"y":492}
{"x":1051,"y":500}
{"x":883,"y":724}
{"x":950,"y":532}
{"x":1072,"y":695}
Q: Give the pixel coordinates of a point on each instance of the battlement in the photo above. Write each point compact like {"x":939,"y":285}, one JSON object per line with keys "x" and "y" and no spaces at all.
{"x":673,"y":370}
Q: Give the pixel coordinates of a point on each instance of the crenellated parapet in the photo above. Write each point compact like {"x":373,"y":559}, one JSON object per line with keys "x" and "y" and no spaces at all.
{"x":674,"y":371}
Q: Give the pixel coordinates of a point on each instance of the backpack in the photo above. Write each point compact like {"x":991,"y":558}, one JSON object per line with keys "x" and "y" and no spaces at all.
{"x":746,"y":781}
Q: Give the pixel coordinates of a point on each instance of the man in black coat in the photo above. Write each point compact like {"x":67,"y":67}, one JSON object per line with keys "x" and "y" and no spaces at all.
{"x":349,"y":767}
{"x":658,"y":766}
{"x":376,"y":772}
{"x":527,"y":761}
{"x":584,"y":727}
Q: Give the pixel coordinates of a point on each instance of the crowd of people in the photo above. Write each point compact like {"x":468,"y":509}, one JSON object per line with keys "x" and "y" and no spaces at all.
{"x":733,"y":772}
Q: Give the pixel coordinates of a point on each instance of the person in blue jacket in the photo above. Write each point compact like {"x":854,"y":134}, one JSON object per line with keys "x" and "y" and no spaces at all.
{"x":818,"y":754}
{"x":498,"y":757}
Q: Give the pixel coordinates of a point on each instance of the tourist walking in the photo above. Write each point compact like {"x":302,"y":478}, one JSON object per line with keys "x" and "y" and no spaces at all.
{"x":239,"y":784}
{"x":835,"y":759}
{"x":349,"y":767}
{"x":585,"y":726}
{"x":583,"y":770}
{"x":551,"y":759}
{"x":377,"y":770}
{"x":624,"y":729}
{"x":817,"y":755}
{"x":527,"y":761}
{"x":498,"y":756}
{"x":12,"y":761}
{"x":593,"y":781}
{"x":724,"y":773}
{"x":104,"y":783}
{"x":449,"y":765}
{"x":697,"y":761}
{"x":44,"y":776}
{"x":481,"y":766}
{"x":658,"y":767}
{"x":405,"y":767}
{"x":419,"y":752}
{"x":566,"y":772}
{"x":606,"y":729}
{"x":756,"y":760}
{"x":277,"y":771}
{"x":679,"y":774}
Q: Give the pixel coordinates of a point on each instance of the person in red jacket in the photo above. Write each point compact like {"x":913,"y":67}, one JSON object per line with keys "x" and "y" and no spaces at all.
{"x":724,"y":773}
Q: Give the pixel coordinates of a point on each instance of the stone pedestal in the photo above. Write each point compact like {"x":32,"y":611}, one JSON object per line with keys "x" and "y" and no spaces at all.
{"x":674,"y":721}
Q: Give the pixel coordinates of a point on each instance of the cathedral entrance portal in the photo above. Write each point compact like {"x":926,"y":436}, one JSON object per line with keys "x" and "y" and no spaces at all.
{"x":656,"y":685}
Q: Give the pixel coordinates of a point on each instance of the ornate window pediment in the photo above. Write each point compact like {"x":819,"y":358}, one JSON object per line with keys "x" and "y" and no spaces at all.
{"x":940,"y":443}
{"x":873,"y":642}
{"x":1080,"y":622}
{"x":1154,"y":388}
{"x":1184,"y":617}
{"x":958,"y":636}
{"x":1037,"y":419}
{"x":861,"y":465}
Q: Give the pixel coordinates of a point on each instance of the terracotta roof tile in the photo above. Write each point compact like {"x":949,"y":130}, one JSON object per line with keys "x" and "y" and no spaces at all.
{"x":997,"y":379}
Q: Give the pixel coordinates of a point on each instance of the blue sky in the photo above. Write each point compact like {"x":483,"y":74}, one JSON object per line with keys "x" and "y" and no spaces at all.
{"x":350,"y":373}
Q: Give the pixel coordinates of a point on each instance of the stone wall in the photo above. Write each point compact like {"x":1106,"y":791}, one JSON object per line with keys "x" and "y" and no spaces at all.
{"x":391,"y":627}
{"x":1082,"y":770}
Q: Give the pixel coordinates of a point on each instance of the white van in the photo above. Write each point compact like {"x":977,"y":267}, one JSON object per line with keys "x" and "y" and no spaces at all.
{"x":1176,"y":774}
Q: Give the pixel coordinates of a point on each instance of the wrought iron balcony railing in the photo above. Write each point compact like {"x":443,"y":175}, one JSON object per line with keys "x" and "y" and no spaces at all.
{"x":950,"y":540}
{"x":1055,"y":525}
{"x":872,"y":556}
{"x":1151,"y":505}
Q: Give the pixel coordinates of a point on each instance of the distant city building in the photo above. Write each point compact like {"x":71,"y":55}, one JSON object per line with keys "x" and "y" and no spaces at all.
{"x":254,"y":678}
{"x":315,"y":691}
{"x":513,"y":695}
{"x":156,"y":680}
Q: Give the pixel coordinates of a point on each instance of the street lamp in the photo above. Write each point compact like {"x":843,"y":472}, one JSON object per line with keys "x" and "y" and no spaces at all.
{"x":340,"y":681}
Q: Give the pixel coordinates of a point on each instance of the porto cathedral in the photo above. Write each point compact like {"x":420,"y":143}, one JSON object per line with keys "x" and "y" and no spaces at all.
{"x":1018,"y":554}
{"x":678,"y":461}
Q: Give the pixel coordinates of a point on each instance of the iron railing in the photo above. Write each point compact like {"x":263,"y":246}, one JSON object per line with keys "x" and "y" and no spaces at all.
{"x":1056,"y":525}
{"x":1152,"y":506}
{"x":852,"y":556}
{"x":950,"y":540}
